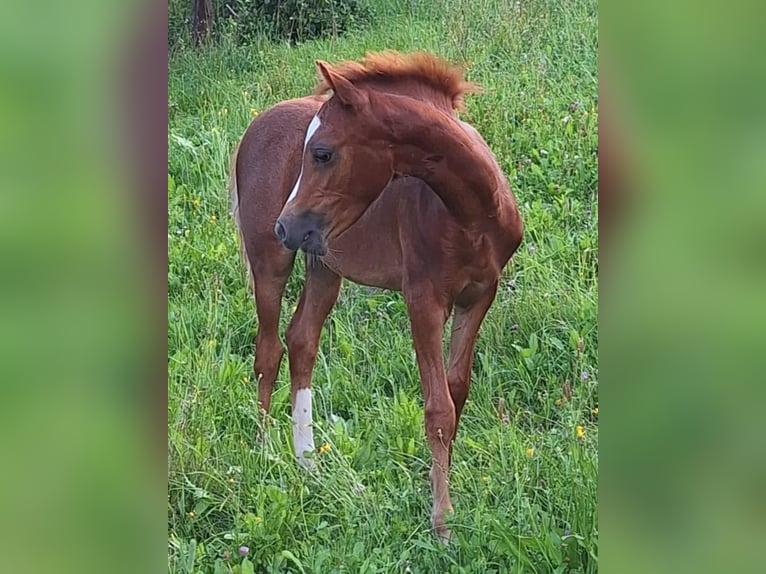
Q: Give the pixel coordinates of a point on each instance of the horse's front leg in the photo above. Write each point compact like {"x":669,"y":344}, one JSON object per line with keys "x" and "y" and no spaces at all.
{"x":428,"y":314}
{"x":317,"y":300}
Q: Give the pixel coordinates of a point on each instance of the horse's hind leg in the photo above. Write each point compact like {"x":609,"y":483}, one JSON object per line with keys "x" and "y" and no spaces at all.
{"x":270,"y":274}
{"x":317,"y":299}
{"x":465,"y":329}
{"x":428,"y":314}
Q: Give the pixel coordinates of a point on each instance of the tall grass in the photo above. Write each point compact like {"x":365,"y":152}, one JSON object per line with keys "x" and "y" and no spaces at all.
{"x":524,"y":477}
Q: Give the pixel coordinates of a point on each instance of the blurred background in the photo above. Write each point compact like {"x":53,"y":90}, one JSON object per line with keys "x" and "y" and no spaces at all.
{"x":682,"y":315}
{"x":82,"y":281}
{"x":82,"y":286}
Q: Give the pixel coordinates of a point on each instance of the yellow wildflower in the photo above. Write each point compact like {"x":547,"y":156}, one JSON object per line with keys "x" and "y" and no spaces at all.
{"x":213,"y":218}
{"x":325,"y":448}
{"x":485,"y":479}
{"x":245,"y":380}
{"x":231,"y":480}
{"x":580,"y":432}
{"x":253,"y":112}
{"x":196,"y":201}
{"x":595,"y":411}
{"x":530,"y":452}
{"x":258,"y":519}
{"x":191,"y":514}
{"x":559,"y":402}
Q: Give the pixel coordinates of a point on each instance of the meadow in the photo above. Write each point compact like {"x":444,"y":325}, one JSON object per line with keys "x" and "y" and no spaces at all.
{"x":525,"y":464}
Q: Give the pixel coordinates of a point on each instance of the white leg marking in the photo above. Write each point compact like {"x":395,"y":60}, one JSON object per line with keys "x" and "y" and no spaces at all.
{"x":303,"y":434}
{"x":313,"y":127}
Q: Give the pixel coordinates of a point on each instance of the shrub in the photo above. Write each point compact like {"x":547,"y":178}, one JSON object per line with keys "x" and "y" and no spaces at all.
{"x":280,"y":20}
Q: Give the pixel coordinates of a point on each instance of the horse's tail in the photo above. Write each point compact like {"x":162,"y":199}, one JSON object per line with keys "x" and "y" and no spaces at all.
{"x":234,"y":195}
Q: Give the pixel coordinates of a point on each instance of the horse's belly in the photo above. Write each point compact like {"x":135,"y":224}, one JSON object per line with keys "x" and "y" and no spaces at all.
{"x":381,"y":278}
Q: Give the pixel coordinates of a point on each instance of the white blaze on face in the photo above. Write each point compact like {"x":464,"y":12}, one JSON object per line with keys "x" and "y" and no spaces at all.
{"x":313,"y":127}
{"x":303,"y":434}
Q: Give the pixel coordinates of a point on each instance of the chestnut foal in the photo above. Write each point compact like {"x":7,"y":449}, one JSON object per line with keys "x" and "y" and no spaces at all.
{"x":383,"y":184}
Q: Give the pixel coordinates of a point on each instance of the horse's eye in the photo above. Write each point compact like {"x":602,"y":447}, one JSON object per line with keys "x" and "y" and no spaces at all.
{"x":322,"y":155}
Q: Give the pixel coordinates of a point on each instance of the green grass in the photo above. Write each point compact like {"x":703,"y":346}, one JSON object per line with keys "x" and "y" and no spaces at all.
{"x":368,"y":508}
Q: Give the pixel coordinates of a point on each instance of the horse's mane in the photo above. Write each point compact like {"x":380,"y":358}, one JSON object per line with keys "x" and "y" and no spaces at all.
{"x":417,"y":67}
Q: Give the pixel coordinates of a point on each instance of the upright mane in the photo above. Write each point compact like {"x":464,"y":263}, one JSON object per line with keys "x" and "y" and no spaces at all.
{"x":390,"y":69}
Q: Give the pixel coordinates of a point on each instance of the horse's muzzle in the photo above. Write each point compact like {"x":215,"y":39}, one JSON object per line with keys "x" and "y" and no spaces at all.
{"x":302,"y":231}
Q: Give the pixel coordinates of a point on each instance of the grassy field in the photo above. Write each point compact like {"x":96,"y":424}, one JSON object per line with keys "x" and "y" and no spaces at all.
{"x":524,"y":480}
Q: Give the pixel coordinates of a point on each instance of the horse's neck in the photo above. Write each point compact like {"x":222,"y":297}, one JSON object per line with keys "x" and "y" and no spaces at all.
{"x":452,"y":158}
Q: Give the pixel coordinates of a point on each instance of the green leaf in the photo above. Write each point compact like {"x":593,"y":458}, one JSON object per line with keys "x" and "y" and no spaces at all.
{"x":287,"y":555}
{"x":574,"y":339}
{"x":201,"y":507}
{"x":247,"y":567}
{"x":191,"y":550}
{"x":183,"y":142}
{"x":533,"y":343}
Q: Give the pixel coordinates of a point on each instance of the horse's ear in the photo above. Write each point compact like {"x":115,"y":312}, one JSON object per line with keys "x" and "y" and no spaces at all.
{"x":345,"y":91}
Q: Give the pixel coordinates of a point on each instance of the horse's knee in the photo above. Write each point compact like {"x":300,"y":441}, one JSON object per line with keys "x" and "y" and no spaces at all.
{"x":302,"y":347}
{"x":298,"y":340}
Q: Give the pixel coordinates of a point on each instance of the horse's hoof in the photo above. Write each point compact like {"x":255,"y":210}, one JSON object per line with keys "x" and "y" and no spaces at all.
{"x":444,"y":535}
{"x":307,"y":464}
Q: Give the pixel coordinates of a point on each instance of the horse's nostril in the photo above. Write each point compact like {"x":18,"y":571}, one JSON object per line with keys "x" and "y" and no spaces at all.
{"x":280,"y":231}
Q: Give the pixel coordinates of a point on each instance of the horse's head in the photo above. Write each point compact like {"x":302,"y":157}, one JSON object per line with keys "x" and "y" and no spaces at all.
{"x":346,"y":165}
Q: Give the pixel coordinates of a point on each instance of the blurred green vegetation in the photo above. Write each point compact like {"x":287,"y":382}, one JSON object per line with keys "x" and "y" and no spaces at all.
{"x":682,"y":321}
